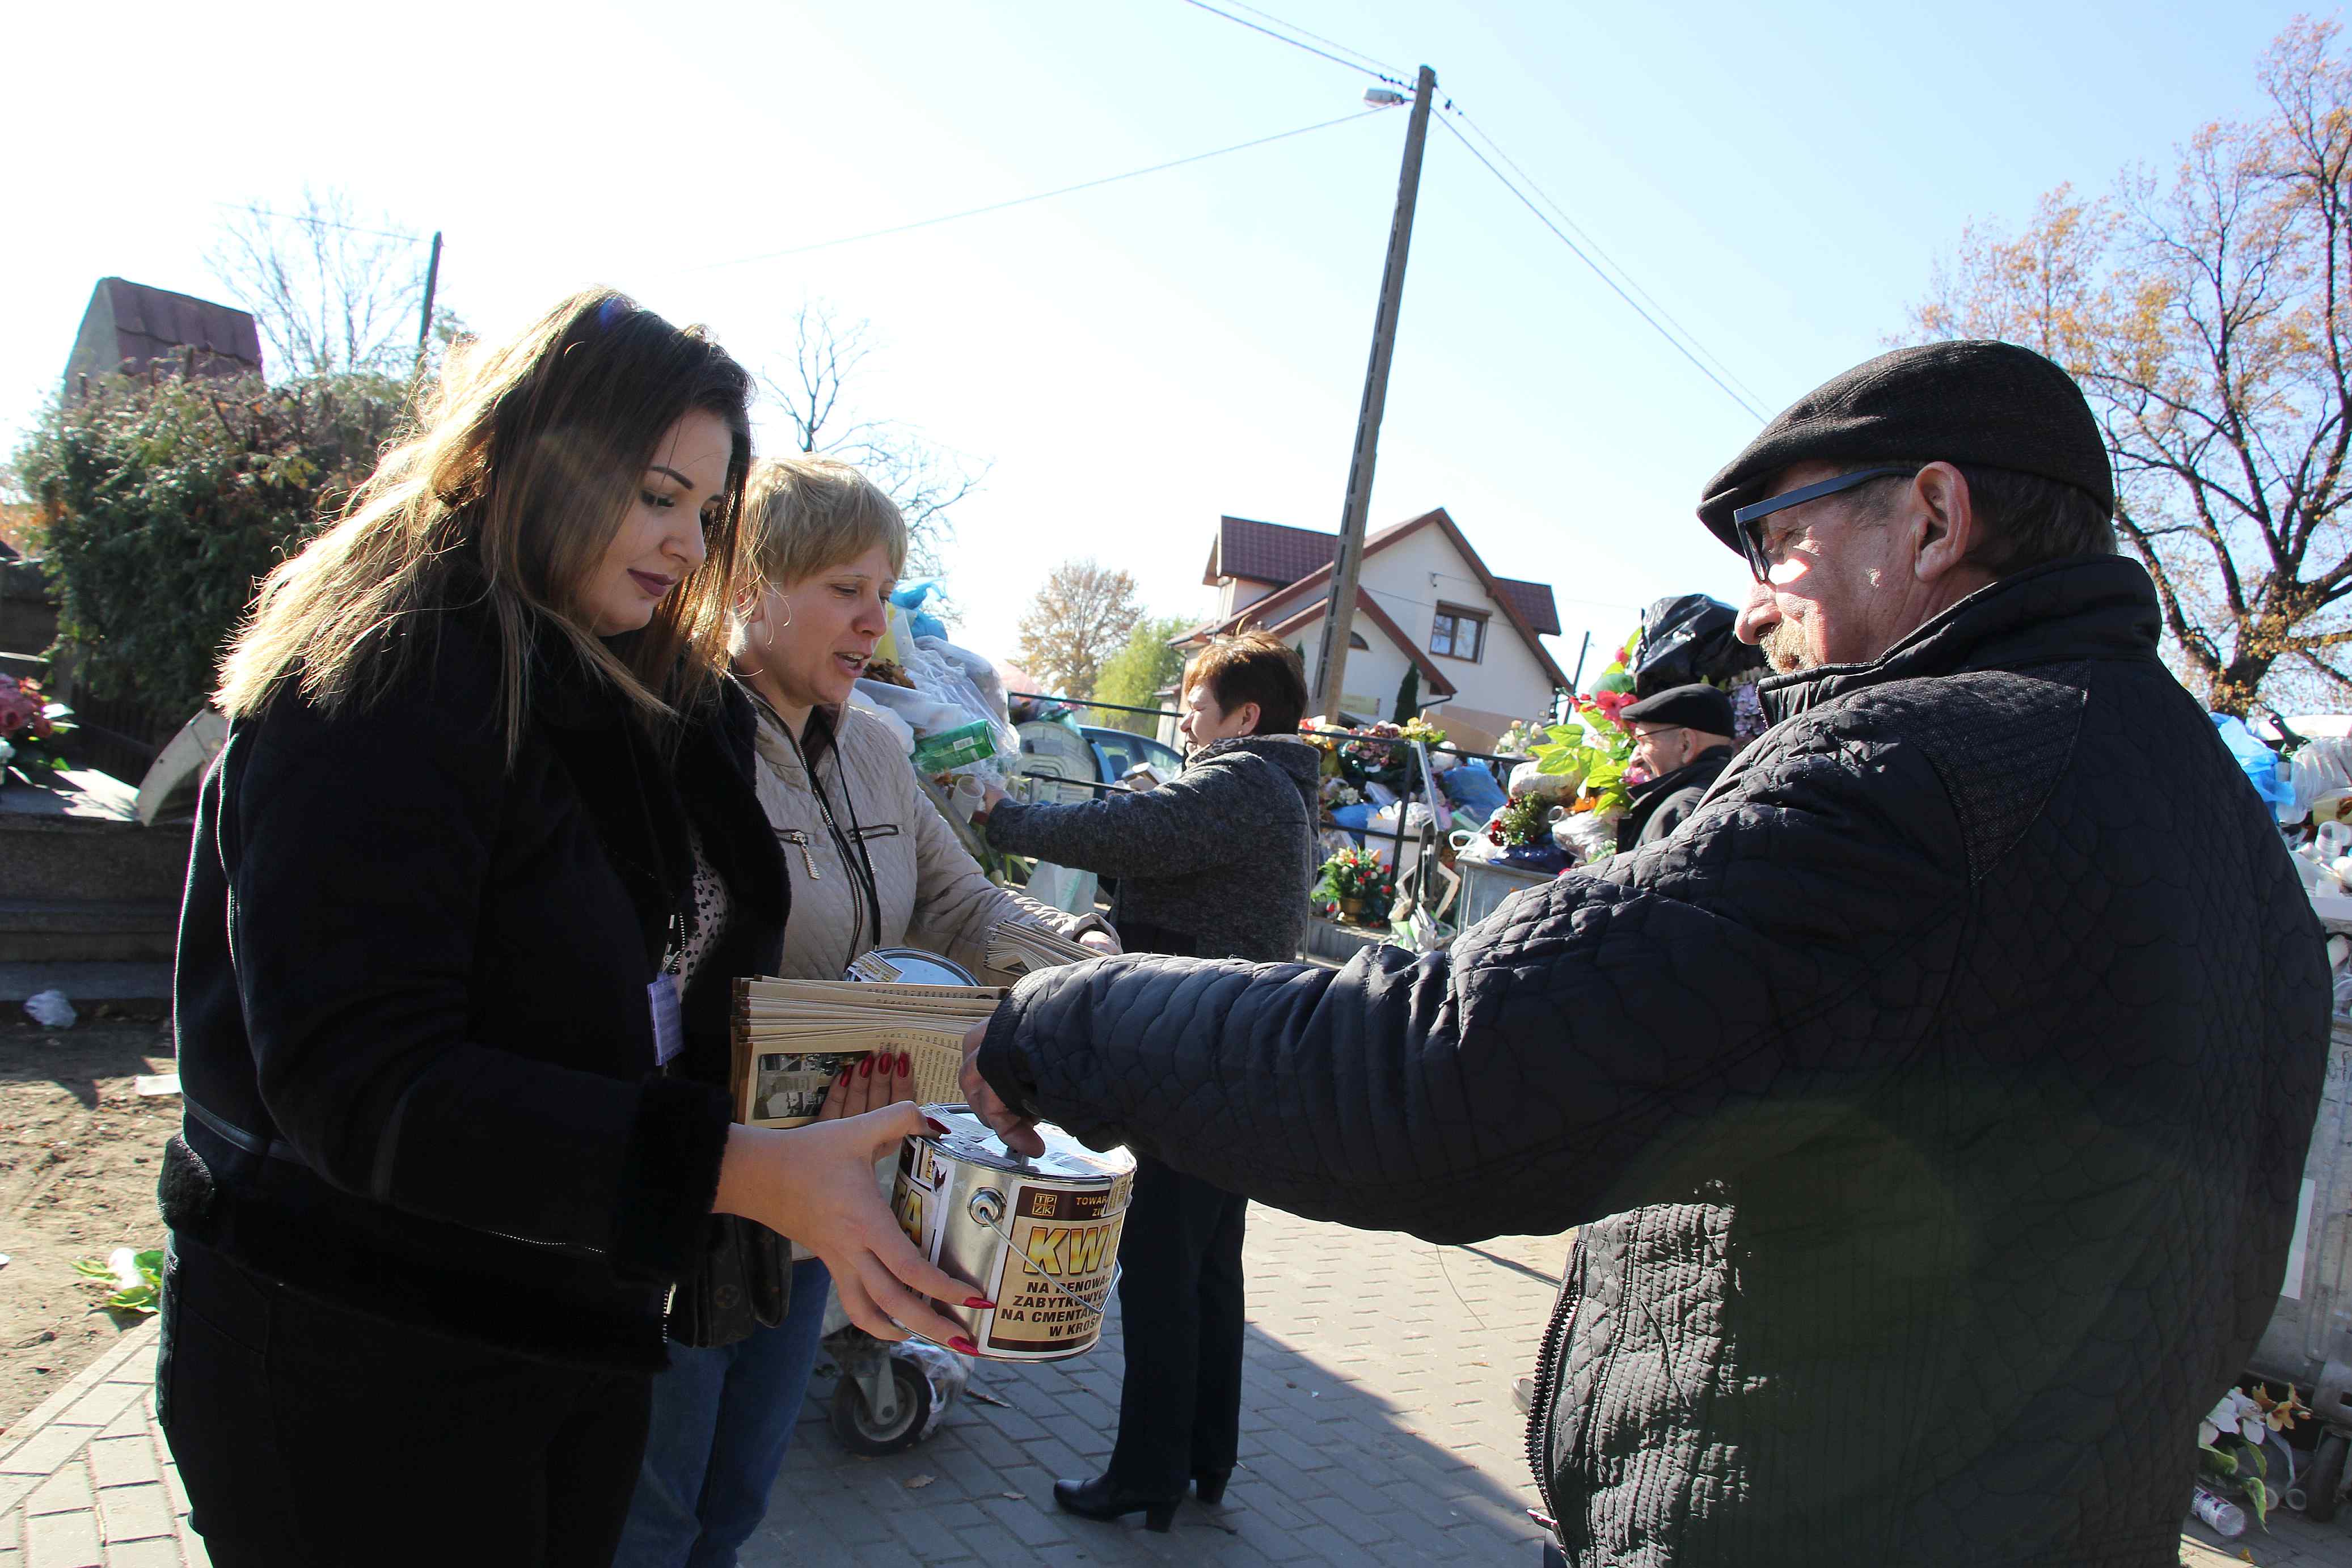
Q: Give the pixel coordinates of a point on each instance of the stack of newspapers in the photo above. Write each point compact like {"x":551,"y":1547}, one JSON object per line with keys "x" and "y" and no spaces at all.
{"x":793,"y":1038}
{"x":1017,"y":949}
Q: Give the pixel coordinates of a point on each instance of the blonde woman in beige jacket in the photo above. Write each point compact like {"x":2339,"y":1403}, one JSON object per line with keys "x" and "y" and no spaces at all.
{"x":869,"y":863}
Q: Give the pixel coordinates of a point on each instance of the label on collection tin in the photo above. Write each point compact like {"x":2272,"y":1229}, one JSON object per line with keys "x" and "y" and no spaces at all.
{"x":924,"y":1186}
{"x":1060,"y":1238}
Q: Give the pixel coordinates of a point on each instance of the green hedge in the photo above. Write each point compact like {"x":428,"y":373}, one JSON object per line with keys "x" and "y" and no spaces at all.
{"x":166,"y":501}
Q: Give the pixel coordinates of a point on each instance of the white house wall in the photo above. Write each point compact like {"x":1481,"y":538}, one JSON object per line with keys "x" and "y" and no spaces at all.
{"x":1409,"y":578}
{"x":1235,"y":594}
{"x":1374,"y":672}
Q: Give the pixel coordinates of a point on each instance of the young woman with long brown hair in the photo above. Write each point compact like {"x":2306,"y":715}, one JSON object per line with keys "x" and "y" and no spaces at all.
{"x":485,"y":812}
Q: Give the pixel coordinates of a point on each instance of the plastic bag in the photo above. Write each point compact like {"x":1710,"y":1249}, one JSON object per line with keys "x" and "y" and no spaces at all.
{"x":920,"y":712}
{"x":2263,"y":768}
{"x":1548,"y":857}
{"x":1473,"y":787}
{"x":1586,"y":835}
{"x":50,"y":1010}
{"x":900,"y":730}
{"x":1528,"y":779}
{"x":1686,"y":638}
{"x":953,"y":676}
{"x":1407,"y":819}
{"x":1069,"y":891}
{"x":1354,"y":818}
{"x":910,"y":597}
{"x":1473,"y":844}
{"x":2322,"y":773}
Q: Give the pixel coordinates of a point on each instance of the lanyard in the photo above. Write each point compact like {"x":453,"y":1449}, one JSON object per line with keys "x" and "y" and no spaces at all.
{"x":850,"y":846}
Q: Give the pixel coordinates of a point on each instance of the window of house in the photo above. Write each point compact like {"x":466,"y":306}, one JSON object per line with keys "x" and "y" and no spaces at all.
{"x":1458,"y":633}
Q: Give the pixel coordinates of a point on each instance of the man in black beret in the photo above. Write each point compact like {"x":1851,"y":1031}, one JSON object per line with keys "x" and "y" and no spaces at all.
{"x":1932,"y":1103}
{"x":1682,"y":739}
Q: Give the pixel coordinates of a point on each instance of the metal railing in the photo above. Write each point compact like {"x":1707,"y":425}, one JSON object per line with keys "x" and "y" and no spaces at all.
{"x":1428,"y":865}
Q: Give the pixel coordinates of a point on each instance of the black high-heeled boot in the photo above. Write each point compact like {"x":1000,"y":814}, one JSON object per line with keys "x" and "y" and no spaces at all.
{"x":1211,"y":1484}
{"x":1103,"y":1498}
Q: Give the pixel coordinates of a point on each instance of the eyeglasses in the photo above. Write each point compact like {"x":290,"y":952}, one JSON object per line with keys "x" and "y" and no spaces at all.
{"x":1748,"y":520}
{"x":1641,"y":735}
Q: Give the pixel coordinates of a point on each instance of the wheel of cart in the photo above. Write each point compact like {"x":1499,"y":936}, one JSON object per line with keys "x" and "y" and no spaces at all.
{"x":890,"y":1396}
{"x":2308,"y":1343}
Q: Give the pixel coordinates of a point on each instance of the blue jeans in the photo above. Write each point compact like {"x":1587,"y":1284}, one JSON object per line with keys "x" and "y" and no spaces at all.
{"x":721,"y":1421}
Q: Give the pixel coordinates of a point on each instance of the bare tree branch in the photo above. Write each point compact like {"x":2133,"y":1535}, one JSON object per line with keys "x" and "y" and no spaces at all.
{"x":2204,"y":315}
{"x":926,"y":480}
{"x":330,"y":290}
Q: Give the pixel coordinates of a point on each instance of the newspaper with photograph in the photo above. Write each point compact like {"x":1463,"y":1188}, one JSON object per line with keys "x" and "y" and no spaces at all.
{"x":793,"y":1038}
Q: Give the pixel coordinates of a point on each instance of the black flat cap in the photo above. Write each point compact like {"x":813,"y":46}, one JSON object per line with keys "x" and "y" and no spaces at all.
{"x":1994,"y":404}
{"x":1705,"y":708}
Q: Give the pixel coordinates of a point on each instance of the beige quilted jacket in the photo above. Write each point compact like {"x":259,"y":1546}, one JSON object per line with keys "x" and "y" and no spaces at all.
{"x":933,"y":894}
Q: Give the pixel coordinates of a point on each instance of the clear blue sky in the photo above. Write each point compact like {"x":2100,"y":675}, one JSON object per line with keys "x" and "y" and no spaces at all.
{"x":1137,"y":359}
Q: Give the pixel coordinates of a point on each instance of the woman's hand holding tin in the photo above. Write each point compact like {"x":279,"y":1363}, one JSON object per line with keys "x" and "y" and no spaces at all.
{"x":815,"y":1186}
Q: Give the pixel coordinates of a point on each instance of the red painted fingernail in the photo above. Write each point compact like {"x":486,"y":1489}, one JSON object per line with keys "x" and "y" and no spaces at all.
{"x":843,"y":1079}
{"x":906,"y":1066}
{"x":978,"y":1302}
{"x":963,"y":1346}
{"x":937,"y":1126}
{"x":865,"y":1068}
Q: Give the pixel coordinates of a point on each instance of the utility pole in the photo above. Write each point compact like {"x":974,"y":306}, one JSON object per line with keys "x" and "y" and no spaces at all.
{"x":1339,"y":624}
{"x":425,"y":324}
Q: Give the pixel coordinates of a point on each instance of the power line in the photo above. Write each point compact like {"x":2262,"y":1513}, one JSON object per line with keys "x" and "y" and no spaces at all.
{"x":321,"y":221}
{"x":1297,"y":44}
{"x":1630,"y":280}
{"x":1038,"y":197}
{"x":1270,"y":17}
{"x":1561,"y":235}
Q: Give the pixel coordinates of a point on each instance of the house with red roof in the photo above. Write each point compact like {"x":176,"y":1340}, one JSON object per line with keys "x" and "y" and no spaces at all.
{"x":1424,"y":601}
{"x":132,"y":327}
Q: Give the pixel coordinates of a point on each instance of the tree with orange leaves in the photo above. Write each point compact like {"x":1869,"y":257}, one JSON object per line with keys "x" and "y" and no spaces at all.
{"x":2208,"y":314}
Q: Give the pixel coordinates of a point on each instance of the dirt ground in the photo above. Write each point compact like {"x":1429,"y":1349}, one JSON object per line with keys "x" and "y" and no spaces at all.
{"x":79,"y":1154}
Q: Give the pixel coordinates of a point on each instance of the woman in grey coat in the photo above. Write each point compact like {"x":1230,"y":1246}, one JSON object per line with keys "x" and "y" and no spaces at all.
{"x":1214,"y":863}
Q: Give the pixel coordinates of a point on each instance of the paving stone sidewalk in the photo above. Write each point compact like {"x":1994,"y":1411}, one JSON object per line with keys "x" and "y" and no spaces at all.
{"x":1378,"y":1428}
{"x":85,"y":1480}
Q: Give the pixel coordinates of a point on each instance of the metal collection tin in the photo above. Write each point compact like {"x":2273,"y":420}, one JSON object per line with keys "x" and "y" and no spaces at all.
{"x":1039,"y":1237}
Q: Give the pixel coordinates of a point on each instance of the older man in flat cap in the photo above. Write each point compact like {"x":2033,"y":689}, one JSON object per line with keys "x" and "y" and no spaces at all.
{"x":1933,"y":1102}
{"x":1682,"y":739}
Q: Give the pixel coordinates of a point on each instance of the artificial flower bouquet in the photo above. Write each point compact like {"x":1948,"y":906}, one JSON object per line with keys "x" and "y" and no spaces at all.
{"x":1355,"y":881}
{"x":31,"y":728}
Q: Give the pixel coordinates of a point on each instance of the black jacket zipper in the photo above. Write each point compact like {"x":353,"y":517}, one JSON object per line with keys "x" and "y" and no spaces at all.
{"x":1547,"y":1391}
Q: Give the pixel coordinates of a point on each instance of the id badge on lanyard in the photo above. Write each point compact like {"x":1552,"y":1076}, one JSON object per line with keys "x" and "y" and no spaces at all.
{"x":661,"y":997}
{"x":669,"y":1026}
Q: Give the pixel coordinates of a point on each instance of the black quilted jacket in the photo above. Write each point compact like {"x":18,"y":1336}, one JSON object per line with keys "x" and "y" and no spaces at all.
{"x":411,"y":1003}
{"x":1933,"y":1105}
